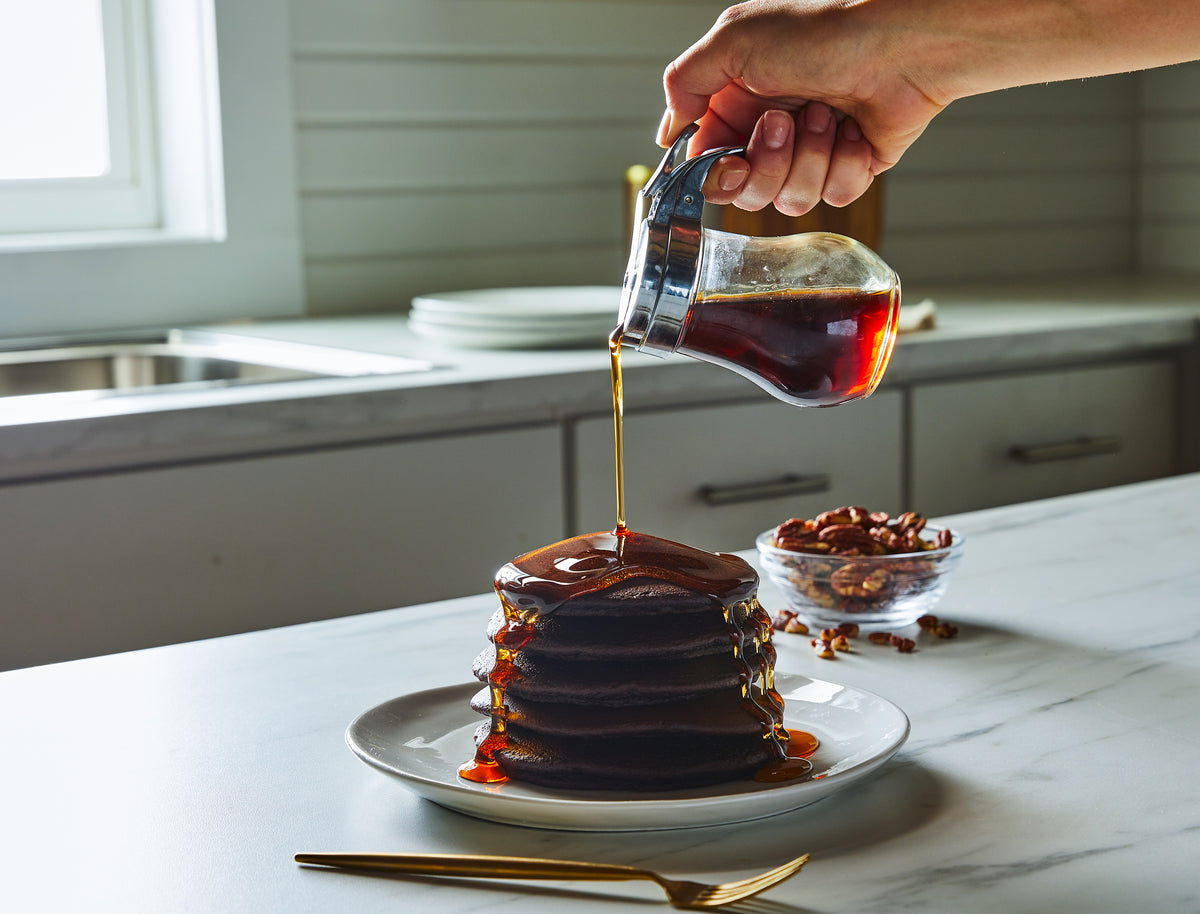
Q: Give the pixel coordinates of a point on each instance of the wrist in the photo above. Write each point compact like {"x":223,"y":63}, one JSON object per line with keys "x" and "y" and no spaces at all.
{"x":954,"y":48}
{"x":951,"y":49}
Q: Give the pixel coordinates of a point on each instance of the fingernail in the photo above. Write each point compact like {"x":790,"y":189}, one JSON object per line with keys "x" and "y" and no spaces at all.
{"x":664,"y":128}
{"x":732,"y":179}
{"x":851,"y":130}
{"x":775,"y":128}
{"x":817,"y":118}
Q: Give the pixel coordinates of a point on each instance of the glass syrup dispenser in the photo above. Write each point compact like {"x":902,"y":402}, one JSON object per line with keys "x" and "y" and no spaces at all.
{"x":810,"y":318}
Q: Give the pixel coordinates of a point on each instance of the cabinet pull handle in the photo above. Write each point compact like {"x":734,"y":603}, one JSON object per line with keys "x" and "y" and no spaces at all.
{"x":791,"y":484}
{"x":1065,"y":450}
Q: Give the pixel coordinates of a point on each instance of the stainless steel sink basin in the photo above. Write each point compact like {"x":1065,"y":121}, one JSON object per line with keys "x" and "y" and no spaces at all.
{"x":176,"y":359}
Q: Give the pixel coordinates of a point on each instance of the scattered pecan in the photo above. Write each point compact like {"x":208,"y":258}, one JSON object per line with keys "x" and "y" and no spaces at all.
{"x":795,"y":627}
{"x":823,"y":649}
{"x":836,"y":639}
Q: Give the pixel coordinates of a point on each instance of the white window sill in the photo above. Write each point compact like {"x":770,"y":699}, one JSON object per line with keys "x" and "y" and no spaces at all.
{"x":100,"y":240}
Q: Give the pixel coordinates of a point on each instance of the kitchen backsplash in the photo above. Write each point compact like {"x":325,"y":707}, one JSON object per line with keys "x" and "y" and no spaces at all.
{"x":462,"y":143}
{"x":1031,"y":181}
{"x":1169,"y":175}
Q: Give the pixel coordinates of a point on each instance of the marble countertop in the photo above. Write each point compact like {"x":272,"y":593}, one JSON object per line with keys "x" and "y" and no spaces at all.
{"x":995,"y":328}
{"x":1052,"y":763}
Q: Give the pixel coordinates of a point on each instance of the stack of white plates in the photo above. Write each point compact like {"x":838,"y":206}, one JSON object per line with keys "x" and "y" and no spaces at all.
{"x":525,"y":318}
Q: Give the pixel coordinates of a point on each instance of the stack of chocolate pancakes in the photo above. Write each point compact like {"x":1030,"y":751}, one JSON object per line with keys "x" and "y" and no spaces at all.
{"x":620,"y":661}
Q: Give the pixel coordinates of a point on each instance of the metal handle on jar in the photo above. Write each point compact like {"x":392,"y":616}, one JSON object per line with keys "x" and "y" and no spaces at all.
{"x":675,"y":190}
{"x":664,"y":258}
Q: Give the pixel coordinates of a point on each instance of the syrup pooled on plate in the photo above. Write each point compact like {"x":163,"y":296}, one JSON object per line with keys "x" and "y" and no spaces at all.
{"x":624,"y":661}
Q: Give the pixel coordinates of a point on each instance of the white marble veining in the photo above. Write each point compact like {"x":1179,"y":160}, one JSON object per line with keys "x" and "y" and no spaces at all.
{"x":995,"y":328}
{"x":1052,"y":764}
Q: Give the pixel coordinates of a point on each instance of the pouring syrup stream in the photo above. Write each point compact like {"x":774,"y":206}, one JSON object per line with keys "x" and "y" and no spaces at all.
{"x":614,"y":357}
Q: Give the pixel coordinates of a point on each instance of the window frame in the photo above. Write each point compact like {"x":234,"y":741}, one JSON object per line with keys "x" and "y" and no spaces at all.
{"x":126,"y":196}
{"x":228,"y":243}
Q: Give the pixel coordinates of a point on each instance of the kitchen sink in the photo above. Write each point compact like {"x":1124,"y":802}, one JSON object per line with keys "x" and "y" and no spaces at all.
{"x":176,"y":360}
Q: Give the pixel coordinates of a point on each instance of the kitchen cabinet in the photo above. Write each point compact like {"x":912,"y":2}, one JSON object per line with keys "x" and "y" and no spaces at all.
{"x":129,"y":560}
{"x":991,"y":441}
{"x":716,"y":476}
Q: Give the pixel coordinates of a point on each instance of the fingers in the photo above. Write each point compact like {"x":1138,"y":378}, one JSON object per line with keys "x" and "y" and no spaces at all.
{"x":725,"y":179}
{"x":732,"y":117}
{"x":690,"y":81}
{"x":816,"y":132}
{"x":769,"y":153}
{"x":795,"y":161}
{"x":706,"y":84}
{"x":849,"y":173}
{"x":779,"y":55}
{"x":752,"y":182}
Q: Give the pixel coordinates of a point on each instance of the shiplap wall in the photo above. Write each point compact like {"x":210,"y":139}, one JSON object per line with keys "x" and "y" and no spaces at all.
{"x":1169,"y":190}
{"x":448,"y":144}
{"x":451,"y":144}
{"x":1033,"y":181}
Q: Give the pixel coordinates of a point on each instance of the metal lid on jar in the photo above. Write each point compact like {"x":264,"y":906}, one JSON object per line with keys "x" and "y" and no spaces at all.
{"x":664,"y":261}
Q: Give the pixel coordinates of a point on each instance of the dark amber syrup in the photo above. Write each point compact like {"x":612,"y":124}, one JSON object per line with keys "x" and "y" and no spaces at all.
{"x":813,"y":347}
{"x":618,"y":396}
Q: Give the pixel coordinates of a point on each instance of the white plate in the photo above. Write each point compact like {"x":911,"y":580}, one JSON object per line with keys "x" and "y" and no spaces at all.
{"x":422,"y":739}
{"x":604,"y":322}
{"x":567,"y":333}
{"x":518,"y":318}
{"x":543,"y":301}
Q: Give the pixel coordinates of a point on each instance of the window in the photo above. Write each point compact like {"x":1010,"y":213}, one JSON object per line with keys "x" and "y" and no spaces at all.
{"x":195,"y":176}
{"x":75,"y":102}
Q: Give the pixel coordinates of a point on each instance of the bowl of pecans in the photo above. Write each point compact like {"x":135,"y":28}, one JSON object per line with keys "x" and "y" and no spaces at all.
{"x":865,"y":567}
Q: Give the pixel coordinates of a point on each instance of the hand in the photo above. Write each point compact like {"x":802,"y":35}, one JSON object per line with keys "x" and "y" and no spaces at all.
{"x":810,"y":89}
{"x":776,"y":75}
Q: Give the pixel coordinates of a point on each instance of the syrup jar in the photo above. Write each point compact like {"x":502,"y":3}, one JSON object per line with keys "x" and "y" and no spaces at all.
{"x":810,"y":318}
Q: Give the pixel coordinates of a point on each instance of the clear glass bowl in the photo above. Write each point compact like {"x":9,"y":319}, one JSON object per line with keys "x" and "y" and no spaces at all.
{"x":878,"y":592}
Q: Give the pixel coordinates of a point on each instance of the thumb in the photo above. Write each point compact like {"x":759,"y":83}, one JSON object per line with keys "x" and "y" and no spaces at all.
{"x":692,"y":79}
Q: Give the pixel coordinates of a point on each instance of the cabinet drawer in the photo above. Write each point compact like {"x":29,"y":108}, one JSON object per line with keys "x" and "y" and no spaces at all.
{"x":136,"y":559}
{"x":998,"y":441}
{"x":708,"y":476}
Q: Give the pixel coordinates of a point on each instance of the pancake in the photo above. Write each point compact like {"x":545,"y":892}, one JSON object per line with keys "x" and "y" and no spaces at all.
{"x":626,"y":662}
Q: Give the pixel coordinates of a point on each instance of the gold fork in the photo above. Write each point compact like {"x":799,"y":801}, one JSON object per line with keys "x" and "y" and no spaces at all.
{"x":680,"y":893}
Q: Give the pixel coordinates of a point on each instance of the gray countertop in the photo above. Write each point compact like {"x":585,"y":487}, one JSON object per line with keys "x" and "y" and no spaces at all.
{"x":1051,"y":764}
{"x":996,"y":328}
